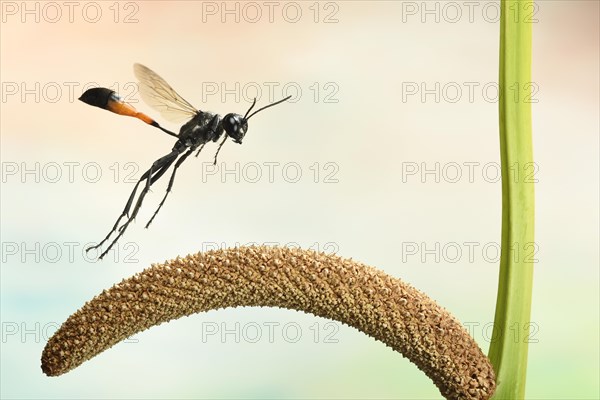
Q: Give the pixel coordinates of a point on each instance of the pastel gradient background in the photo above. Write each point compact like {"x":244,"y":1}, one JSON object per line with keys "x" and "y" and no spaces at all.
{"x":354,"y":123}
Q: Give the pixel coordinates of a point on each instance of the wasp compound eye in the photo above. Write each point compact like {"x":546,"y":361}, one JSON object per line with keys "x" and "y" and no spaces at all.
{"x":236,"y":127}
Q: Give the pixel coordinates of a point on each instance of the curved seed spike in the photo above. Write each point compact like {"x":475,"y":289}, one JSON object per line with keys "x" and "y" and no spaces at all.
{"x":379,"y":305}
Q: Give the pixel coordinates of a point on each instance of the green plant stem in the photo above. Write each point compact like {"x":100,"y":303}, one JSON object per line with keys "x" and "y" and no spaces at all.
{"x":508,"y":350}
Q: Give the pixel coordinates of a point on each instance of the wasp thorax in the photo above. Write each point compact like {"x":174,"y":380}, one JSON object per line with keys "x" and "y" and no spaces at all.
{"x":235,"y":126}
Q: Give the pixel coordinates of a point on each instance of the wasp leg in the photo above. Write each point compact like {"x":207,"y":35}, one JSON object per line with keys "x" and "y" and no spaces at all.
{"x":150,"y":180}
{"x":200,"y":149}
{"x":170,"y":186}
{"x":162,"y":168}
{"x":219,"y":149}
{"x":216,"y":132}
{"x":123,"y":214}
{"x":146,"y":176}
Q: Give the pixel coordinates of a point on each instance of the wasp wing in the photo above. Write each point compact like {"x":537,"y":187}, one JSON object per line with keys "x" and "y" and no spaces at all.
{"x":158,"y":94}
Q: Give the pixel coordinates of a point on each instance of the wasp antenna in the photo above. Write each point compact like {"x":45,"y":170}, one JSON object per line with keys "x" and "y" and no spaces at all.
{"x":251,"y":107}
{"x":270,"y":105}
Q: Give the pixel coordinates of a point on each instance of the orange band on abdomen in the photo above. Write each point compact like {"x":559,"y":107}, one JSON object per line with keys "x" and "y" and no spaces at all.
{"x":144,"y":117}
{"x":123,"y":108}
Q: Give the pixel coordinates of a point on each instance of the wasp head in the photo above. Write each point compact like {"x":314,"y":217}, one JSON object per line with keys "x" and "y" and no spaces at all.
{"x":235,"y":126}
